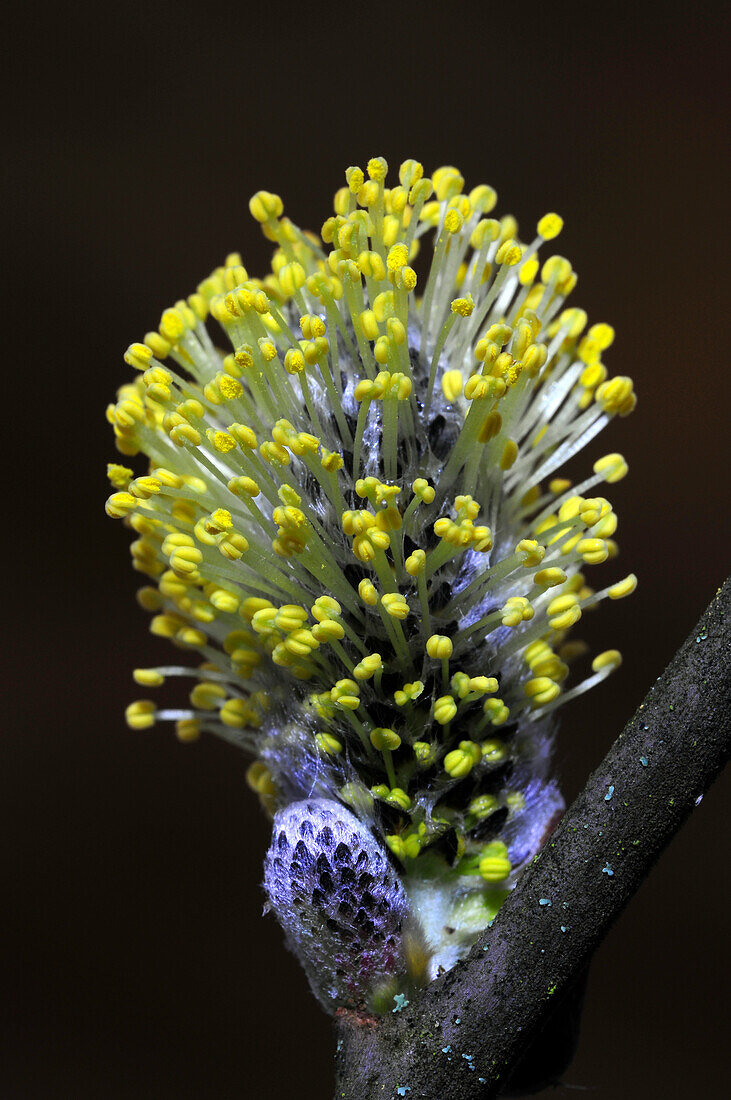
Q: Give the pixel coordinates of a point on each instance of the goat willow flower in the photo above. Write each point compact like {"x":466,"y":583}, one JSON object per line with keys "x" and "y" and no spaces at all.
{"x":352,"y":517}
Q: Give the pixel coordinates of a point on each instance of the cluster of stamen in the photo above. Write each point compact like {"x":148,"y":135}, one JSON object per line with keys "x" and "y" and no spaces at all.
{"x":352,"y":517}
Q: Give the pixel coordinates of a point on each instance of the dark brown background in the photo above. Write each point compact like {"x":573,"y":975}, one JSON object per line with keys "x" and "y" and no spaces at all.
{"x":138,"y":961}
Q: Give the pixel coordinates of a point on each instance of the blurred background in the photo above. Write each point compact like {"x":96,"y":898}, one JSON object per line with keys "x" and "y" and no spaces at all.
{"x":137,"y":960}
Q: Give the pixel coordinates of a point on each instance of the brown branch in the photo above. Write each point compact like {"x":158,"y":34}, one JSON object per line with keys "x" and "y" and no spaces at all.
{"x":464,"y":1035}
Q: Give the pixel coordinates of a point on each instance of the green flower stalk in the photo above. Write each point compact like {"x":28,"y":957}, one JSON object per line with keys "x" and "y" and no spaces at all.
{"x":353,"y":519}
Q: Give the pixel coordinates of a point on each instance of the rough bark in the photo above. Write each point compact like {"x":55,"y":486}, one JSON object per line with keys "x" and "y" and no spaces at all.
{"x":462,"y":1037}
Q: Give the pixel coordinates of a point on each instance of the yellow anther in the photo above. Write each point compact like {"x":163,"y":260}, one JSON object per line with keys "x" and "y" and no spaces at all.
{"x":367,"y":592}
{"x":452,"y":383}
{"x":174,"y":540}
{"x":571,"y":508}
{"x":601,"y":335}
{"x":483,"y":685}
{"x":377,"y":169}
{"x":424,"y":752}
{"x":383,"y":305}
{"x":382,"y":350}
{"x":549,"y":578}
{"x":509,"y":455}
{"x":288,"y":495}
{"x":312,"y":326}
{"x":243,"y":487}
{"x":120,"y":505}
{"x":235,"y":713}
{"x":453,"y":221}
{"x":395,"y":605}
{"x":495,"y":865}
{"x":534,"y":359}
{"x":532,"y":551}
{"x":366,"y":487}
{"x":328,"y":744}
{"x":563,"y":612}
{"x":243,"y":435}
{"x":258,"y":776}
{"x":541,"y":690}
{"x":408,"y":278}
{"x":509,"y":253}
{"x":593,"y":551}
{"x":463,"y":307}
{"x":550,"y":226}
{"x":496,"y":710}
{"x":207,"y":695}
{"x":439,"y":647}
{"x":396,"y":796}
{"x":119,"y":476}
{"x":460,"y":684}
{"x":365,"y":390}
{"x":225,"y":601}
{"x":148,"y":677}
{"x":485,"y":231}
{"x":325,"y":607}
{"x":444,"y":709}
{"x":229,"y":388}
{"x":290,"y":616}
{"x":274,"y":453}
{"x":138,"y":356}
{"x":265,"y":206}
{"x":301,"y":643}
{"x":398,"y":257}
{"x":623,"y":588}
{"x":491,"y":426}
{"x":517,"y":609}
{"x":447,"y":182}
{"x":355,"y":179}
{"x":369,"y":324}
{"x":189,"y":636}
{"x":185,"y":560}
{"x":172,"y":325}
{"x":165,"y":626}
{"x":556,"y":269}
{"x":478,"y":387}
{"x":462,"y":204}
{"x":328,"y":631}
{"x":157,"y":344}
{"x":141,"y":715}
{"x":388,"y":519}
{"x":294,"y":361}
{"x":187,"y":730}
{"x":222,"y":441}
{"x":482,"y":198}
{"x":397,"y":845}
{"x":611,"y":659}
{"x":410,"y":172}
{"x":423,"y":490}
{"x":252,"y":605}
{"x":493,"y":752}
{"x":617,"y":396}
{"x":233,"y":545}
{"x":482,"y":806}
{"x":219,"y":521}
{"x":605,"y":527}
{"x":292,"y":278}
{"x":384,"y":739}
{"x":408,"y":693}
{"x":458,"y":763}
{"x":346,"y":693}
{"x":368,"y":666}
{"x":612,"y":467}
{"x":385,"y":493}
